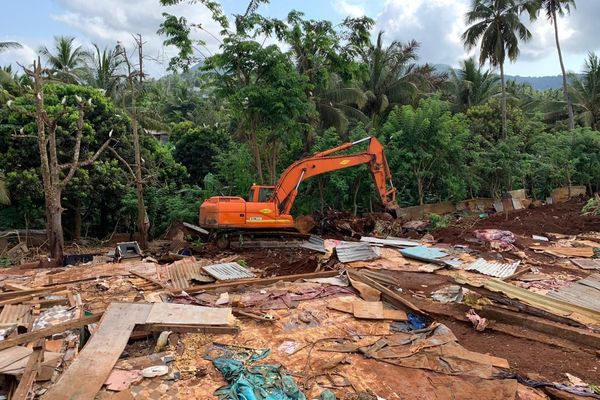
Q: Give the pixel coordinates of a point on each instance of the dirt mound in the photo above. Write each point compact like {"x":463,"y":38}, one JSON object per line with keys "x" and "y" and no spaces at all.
{"x":562,"y":218}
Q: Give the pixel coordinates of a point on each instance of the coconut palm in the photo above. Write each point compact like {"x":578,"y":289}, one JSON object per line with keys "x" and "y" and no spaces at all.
{"x":105,"y":68}
{"x":585,"y":92}
{"x":393,"y":76}
{"x":554,"y":8}
{"x":471,"y":85}
{"x":9,"y":45}
{"x":67,"y":59}
{"x":496,"y":27}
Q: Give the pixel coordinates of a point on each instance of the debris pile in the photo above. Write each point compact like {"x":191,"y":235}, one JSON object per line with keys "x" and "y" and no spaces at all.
{"x":359,"y":316}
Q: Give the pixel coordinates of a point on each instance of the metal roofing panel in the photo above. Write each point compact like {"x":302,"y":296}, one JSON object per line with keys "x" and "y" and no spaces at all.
{"x":395,"y":242}
{"x":492,"y":268}
{"x":183,"y":272}
{"x":314,"y":243}
{"x":592,"y":281}
{"x":352,"y":251}
{"x":584,"y":293}
{"x":228,"y":271}
{"x":15,"y":314}
{"x":586,"y":263}
{"x":423,"y":253}
{"x":560,"y":307}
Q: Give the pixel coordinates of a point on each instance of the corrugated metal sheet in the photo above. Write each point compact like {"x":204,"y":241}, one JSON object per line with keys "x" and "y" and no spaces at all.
{"x":314,"y":243}
{"x":562,"y":308}
{"x":423,"y":253}
{"x":182,"y":273}
{"x":228,"y":271}
{"x":15,"y":314}
{"x":584,"y":293}
{"x":352,"y":251}
{"x":491,"y":268}
{"x":394,"y":242}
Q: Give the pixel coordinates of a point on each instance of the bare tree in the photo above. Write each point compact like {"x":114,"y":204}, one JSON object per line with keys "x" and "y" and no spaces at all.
{"x":55,"y":176}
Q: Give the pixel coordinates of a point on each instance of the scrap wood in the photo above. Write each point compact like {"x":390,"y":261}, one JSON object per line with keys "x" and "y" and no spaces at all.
{"x":46,"y":332}
{"x":365,"y":309}
{"x":24,"y":293}
{"x":391,"y":296}
{"x":566,"y":251}
{"x":12,"y":286}
{"x":256,"y":281}
{"x":28,"y":377}
{"x":148,"y":278}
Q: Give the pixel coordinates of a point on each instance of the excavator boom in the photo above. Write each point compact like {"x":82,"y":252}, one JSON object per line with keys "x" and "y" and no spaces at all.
{"x":269,"y":207}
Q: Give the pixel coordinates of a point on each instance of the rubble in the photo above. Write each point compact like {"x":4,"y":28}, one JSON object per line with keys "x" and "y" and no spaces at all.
{"x":378,"y":317}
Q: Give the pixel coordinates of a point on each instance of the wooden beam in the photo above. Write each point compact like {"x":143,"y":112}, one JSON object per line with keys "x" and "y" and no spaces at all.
{"x":148,"y":278}
{"x":256,"y":281}
{"x":22,"y":293}
{"x":30,"y":371}
{"x":214,"y":329}
{"x":389,"y":295}
{"x":45,"y":332}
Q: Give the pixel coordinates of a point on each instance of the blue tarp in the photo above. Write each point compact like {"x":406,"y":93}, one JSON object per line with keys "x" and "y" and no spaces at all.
{"x":249,"y":381}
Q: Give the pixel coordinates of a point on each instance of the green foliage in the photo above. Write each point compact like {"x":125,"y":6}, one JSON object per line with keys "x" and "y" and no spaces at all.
{"x":426,"y":148}
{"x":438,"y":221}
{"x":591,"y":207}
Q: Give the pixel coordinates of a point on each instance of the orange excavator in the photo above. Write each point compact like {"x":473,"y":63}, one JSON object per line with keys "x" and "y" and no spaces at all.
{"x":268,"y":207}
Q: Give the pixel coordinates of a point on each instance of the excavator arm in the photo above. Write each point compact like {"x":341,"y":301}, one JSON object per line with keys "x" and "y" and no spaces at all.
{"x":286,"y":189}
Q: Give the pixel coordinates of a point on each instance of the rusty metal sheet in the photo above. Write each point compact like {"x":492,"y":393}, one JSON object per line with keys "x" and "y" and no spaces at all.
{"x":352,"y":251}
{"x":491,"y":268}
{"x":228,"y":271}
{"x":563,"y":308}
{"x":183,"y":272}
{"x":15,"y":314}
{"x":584,"y":293}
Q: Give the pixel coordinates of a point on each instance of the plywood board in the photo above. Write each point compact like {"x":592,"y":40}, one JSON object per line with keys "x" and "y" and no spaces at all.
{"x":86,"y":375}
{"x":368,"y":309}
{"x":342,"y":304}
{"x":396,"y":315}
{"x":184,"y":314}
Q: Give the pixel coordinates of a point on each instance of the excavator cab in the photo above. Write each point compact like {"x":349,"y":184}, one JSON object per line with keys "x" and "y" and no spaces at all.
{"x":260,"y":194}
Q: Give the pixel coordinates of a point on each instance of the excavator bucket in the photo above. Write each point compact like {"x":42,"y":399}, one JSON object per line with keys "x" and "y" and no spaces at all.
{"x":304,"y":223}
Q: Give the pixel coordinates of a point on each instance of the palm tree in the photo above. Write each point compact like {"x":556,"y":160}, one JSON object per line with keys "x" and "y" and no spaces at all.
{"x":473,"y":86}
{"x":393,"y":76}
{"x":496,"y":24}
{"x":67,"y":59}
{"x":552,"y":9}
{"x":104,"y":68}
{"x":585,"y":92}
{"x":9,"y":45}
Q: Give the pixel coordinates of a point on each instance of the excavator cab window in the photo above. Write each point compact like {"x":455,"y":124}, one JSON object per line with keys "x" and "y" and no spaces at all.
{"x":260,"y":194}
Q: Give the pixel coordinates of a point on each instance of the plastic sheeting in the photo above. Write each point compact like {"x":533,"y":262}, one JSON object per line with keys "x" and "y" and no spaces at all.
{"x":250,"y":381}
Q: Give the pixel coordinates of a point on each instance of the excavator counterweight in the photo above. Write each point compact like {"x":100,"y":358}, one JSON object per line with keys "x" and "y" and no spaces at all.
{"x":269,"y":207}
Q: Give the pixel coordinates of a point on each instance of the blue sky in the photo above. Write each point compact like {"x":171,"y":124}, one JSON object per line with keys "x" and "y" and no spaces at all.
{"x":437,"y":24}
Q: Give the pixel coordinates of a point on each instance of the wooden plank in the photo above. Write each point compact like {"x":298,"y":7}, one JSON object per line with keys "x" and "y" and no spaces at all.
{"x":22,"y":293}
{"x":148,"y":278}
{"x":389,"y":294}
{"x":46,"y":332}
{"x":189,"y":328}
{"x":186,"y":314}
{"x":28,"y":377}
{"x":256,"y":281}
{"x":368,"y":309}
{"x":15,"y":287}
{"x":86,"y":375}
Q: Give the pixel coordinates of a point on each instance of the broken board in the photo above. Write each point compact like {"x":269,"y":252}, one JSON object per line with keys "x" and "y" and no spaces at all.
{"x":185,"y":314}
{"x":366,"y":309}
{"x":86,"y":375}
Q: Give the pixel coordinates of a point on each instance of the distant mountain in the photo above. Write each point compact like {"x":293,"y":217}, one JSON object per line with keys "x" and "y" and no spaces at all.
{"x":538,"y":82}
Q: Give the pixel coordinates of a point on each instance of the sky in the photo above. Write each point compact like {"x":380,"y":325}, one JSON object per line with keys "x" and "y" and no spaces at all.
{"x":435,"y":24}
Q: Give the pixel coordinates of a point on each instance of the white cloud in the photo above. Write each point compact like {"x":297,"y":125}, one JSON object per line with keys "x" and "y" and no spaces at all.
{"x":350,"y":8}
{"x":24,"y":55}
{"x":110,"y":21}
{"x":436,"y":24}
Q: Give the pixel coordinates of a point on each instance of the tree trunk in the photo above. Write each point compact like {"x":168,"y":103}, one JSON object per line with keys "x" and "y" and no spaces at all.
{"x":139,"y":187}
{"x":502,"y":79}
{"x":564,"y":73}
{"x":55,"y":229}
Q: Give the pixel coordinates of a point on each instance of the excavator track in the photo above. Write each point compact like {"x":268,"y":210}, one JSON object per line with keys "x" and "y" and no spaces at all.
{"x":242,"y":238}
